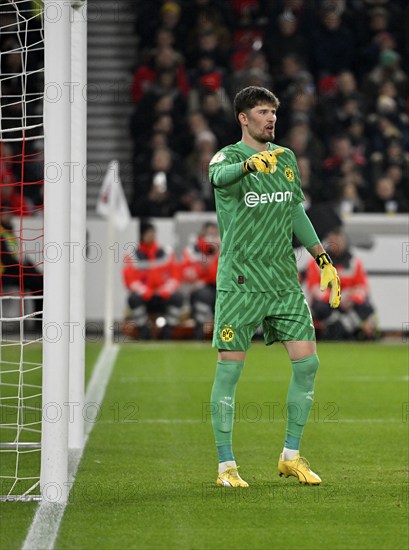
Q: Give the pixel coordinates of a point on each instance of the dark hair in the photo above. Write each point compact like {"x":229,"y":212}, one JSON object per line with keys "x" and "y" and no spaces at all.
{"x":252,"y":96}
{"x":208,"y":224}
{"x":144,"y":226}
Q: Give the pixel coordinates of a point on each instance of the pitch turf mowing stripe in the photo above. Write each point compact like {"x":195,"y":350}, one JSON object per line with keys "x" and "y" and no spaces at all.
{"x":44,"y":528}
{"x":379,"y":379}
{"x":198,"y":421}
{"x":152,"y":485}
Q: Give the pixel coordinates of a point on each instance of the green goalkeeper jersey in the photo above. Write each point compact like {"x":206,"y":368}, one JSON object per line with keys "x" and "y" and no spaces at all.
{"x":254,"y":213}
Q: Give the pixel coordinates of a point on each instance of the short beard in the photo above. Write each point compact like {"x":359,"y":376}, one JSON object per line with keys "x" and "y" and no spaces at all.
{"x":261,"y":139}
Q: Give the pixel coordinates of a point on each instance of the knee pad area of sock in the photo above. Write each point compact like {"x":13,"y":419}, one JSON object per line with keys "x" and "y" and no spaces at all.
{"x":229,"y":371}
{"x":304,"y":370}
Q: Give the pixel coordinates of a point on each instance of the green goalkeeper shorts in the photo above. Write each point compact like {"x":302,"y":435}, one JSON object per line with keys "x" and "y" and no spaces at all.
{"x":284,"y":315}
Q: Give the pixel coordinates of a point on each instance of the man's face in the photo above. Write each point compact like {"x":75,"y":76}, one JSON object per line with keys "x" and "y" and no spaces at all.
{"x":211,"y":234}
{"x":149,"y":236}
{"x":260,"y":122}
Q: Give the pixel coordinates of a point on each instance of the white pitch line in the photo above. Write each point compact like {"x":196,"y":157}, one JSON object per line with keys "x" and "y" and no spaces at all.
{"x":47,"y":520}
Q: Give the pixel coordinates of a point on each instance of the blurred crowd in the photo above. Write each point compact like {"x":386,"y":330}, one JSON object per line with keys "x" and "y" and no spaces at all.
{"x":339,"y":68}
{"x":172,"y":296}
{"x":165,"y":289}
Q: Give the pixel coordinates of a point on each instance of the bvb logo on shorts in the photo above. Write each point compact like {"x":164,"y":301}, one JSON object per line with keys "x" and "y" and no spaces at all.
{"x":289,"y":174}
{"x":227,"y":333}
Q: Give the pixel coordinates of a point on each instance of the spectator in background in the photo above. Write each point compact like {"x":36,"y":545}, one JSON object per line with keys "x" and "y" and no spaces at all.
{"x":388,"y":89}
{"x":208,"y":16}
{"x":302,"y":10}
{"x":147,"y":118}
{"x":295,"y":85}
{"x":356,"y":131}
{"x":206,"y":78}
{"x":204,"y":146}
{"x":347,"y":86}
{"x":168,"y":17}
{"x":386,"y":125}
{"x":201,"y":135}
{"x":304,"y":142}
{"x":382,"y":29}
{"x":159,"y":191}
{"x":293,"y":77}
{"x":355,"y":318}
{"x":218,"y":116}
{"x":171,"y":20}
{"x":310,"y":183}
{"x":196,"y":12}
{"x":350,"y":201}
{"x":208,"y":44}
{"x":385,"y":198}
{"x":344,"y":161}
{"x":255,"y":72}
{"x":199,"y":178}
{"x":387,"y":69}
{"x":152,"y":276}
{"x":349,"y":108}
{"x":393,"y":156}
{"x":148,"y":73}
{"x":301,"y":109}
{"x":306,"y":53}
{"x":285,"y":40}
{"x":199,"y":270}
{"x":332,"y":46}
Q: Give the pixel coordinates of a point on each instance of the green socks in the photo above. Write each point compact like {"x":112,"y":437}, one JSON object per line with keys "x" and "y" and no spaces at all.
{"x":222,"y":406}
{"x":299,"y":402}
{"x":300,"y":398}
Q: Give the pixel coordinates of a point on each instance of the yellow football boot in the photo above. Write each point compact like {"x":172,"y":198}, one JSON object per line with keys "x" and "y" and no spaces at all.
{"x":230,"y":478}
{"x":299,"y":468}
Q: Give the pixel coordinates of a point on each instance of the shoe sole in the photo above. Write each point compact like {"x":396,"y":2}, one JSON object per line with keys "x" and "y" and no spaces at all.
{"x":225,"y":483}
{"x":281,"y":474}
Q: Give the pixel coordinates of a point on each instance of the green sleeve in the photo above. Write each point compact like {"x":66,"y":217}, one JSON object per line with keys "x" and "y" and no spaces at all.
{"x":303,"y":228}
{"x":223,"y":174}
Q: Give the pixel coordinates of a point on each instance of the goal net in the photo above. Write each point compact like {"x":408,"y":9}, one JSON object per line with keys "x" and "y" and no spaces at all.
{"x":21,"y":252}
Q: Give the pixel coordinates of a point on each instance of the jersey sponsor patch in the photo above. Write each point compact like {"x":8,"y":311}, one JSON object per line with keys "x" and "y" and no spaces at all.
{"x":218,"y":157}
{"x":252,"y":199}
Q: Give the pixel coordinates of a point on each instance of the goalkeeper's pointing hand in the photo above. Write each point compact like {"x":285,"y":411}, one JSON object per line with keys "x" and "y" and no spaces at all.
{"x":265,"y":161}
{"x":329,"y":278}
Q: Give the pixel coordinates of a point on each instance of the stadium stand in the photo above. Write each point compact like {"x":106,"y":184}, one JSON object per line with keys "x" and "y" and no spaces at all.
{"x":339,"y":67}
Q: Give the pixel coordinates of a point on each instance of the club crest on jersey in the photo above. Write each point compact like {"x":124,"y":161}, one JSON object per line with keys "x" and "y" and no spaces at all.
{"x":218,"y":157}
{"x":289,"y":173}
{"x":227,"y":333}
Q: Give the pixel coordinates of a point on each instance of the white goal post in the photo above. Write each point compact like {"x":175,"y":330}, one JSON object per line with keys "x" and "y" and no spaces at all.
{"x":64,"y":228}
{"x":64,"y":241}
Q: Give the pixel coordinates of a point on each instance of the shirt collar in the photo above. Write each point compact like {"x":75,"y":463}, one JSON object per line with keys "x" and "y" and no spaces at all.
{"x":249,"y":150}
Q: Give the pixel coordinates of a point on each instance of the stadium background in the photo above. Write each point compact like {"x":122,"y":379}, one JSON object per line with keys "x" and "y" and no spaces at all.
{"x":127,"y":496}
{"x":161,"y":79}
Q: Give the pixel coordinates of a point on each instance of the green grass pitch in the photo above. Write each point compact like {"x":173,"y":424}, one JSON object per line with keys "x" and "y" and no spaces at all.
{"x":147,"y":478}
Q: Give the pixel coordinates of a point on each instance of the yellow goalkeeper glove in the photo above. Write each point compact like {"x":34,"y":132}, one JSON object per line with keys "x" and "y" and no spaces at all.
{"x":329,"y":278}
{"x":265,"y":162}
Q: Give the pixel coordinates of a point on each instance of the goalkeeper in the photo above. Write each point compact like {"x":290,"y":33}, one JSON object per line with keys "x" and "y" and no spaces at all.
{"x":259,"y":207}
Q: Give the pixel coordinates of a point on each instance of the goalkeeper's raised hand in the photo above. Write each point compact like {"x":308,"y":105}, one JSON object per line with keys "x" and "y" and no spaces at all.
{"x":329,"y":278}
{"x":265,"y":162}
